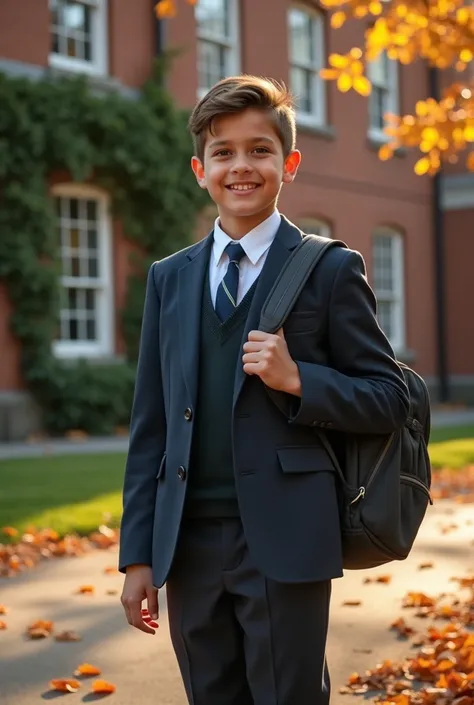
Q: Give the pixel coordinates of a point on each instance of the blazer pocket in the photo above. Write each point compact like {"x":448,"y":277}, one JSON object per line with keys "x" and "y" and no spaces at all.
{"x":302,"y":322}
{"x":297,"y":459}
{"x":161,"y":469}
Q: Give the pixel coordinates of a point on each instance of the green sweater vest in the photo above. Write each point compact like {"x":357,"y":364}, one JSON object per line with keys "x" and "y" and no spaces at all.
{"x":211,"y":485}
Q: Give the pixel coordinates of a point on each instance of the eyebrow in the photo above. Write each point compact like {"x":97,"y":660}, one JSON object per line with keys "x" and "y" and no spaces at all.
{"x":254,"y":140}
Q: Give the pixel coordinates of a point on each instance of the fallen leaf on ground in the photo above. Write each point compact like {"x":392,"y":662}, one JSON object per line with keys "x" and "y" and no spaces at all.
{"x":3,"y":609}
{"x":86,"y":590}
{"x":402,"y":627}
{"x":111,"y":570}
{"x":36,"y":545}
{"x":3,"y":625}
{"x":68,"y":636}
{"x":111,"y":592}
{"x":64,"y":685}
{"x":86,"y":669}
{"x":427,"y":564}
{"x":352,"y":603}
{"x":41,"y":629}
{"x":10,"y":531}
{"x":103,"y":687}
{"x":384,"y":579}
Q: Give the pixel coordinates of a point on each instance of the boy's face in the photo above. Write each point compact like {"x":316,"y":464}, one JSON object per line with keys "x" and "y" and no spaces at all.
{"x":244,"y":168}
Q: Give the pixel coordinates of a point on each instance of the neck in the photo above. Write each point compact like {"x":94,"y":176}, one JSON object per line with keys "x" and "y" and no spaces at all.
{"x":237,"y":227}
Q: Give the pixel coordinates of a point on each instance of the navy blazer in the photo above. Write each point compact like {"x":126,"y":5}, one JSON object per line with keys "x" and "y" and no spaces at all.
{"x":285,"y":481}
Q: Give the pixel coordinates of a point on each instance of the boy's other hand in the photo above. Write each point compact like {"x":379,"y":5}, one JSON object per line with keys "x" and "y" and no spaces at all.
{"x":267,"y":355}
{"x":138,"y":586}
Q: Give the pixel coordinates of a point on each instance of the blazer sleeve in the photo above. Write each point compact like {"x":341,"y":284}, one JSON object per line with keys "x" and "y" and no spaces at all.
{"x":363,"y":390}
{"x":147,"y":440}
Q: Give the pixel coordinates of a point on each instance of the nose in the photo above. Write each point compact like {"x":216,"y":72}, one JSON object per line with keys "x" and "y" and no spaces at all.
{"x":241,"y":165}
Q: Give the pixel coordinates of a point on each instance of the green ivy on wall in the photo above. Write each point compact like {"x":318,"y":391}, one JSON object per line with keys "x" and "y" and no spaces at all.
{"x":139,"y":151}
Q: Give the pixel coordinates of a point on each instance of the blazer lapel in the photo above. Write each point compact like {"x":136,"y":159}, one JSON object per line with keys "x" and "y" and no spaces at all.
{"x":287,"y":238}
{"x":190,"y":288}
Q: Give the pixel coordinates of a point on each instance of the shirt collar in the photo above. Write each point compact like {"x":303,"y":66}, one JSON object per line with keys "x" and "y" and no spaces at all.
{"x":255,"y":243}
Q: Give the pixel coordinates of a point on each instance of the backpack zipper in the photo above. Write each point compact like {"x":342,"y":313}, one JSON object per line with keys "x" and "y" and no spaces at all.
{"x":415,"y":481}
{"x":362,"y":490}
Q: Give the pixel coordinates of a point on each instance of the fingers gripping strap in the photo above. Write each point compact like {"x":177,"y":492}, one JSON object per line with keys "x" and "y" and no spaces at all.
{"x":292,"y":279}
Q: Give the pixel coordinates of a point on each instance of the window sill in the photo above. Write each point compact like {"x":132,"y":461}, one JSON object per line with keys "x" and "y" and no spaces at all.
{"x":100,"y":359}
{"x":326,"y":132}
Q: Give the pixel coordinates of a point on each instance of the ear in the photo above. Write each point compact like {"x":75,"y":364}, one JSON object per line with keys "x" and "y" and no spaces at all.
{"x":198,"y":168}
{"x":291,"y":165}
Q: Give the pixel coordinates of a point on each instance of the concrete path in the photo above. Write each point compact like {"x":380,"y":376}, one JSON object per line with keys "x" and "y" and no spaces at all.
{"x":143,"y":667}
{"x":119,"y":444}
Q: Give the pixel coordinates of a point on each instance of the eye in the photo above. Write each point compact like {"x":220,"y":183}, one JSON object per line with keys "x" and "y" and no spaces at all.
{"x":222,"y":153}
{"x":261,"y":150}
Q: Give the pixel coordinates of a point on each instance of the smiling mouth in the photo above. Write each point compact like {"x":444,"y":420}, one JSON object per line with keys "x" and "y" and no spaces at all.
{"x":242,"y":187}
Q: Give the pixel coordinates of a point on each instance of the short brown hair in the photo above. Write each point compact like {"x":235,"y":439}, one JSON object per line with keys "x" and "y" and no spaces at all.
{"x":236,"y":94}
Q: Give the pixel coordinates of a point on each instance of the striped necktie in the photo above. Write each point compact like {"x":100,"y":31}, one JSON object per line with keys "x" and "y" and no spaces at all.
{"x":226,"y":299}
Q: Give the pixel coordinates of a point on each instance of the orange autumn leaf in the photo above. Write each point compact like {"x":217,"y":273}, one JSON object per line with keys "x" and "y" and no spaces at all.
{"x":445,"y":665}
{"x":110,"y":570}
{"x":3,"y":625}
{"x":65,"y":685}
{"x":103,"y":687}
{"x":86,"y":669}
{"x":3,"y":609}
{"x":10,"y":531}
{"x":41,"y":629}
{"x":402,"y":627}
{"x":426,"y":565}
{"x":352,"y":603}
{"x":86,"y":590}
{"x":384,"y":579}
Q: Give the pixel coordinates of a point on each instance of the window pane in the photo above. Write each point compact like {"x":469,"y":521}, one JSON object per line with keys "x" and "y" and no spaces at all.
{"x":71,"y":28}
{"x":90,"y":299}
{"x":378,"y":71}
{"x":73,"y":208}
{"x":378,"y":106}
{"x":384,"y":315}
{"x":211,"y":63}
{"x":383,"y":264}
{"x":301,"y":86}
{"x":90,"y":329}
{"x":212,"y":17}
{"x":301,"y":39}
{"x":73,"y":329}
{"x":92,"y":211}
{"x":92,"y":239}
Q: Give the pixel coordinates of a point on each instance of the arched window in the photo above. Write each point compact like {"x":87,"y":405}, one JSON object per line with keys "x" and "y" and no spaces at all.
{"x":86,"y":316}
{"x":389,"y":283}
{"x":315,"y":226}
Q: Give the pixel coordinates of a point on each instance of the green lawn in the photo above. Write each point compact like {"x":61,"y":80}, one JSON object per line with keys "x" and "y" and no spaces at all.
{"x":65,"y":493}
{"x":76,"y":493}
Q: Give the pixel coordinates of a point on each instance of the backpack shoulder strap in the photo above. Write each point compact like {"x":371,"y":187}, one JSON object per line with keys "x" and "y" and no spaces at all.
{"x":291,"y":280}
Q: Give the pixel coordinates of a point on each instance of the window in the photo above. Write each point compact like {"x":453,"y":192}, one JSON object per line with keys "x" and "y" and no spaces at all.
{"x":383,"y":74}
{"x":389,"y":284}
{"x":79,"y":35}
{"x":86,"y":303}
{"x":217,"y":28}
{"x":307,"y":57}
{"x":315,"y":226}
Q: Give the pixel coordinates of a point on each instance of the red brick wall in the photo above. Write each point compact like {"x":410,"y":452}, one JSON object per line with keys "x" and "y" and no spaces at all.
{"x":24,"y":31}
{"x":458,"y":260}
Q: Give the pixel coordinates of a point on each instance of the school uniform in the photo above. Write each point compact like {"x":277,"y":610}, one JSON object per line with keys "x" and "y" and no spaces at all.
{"x":230,"y":497}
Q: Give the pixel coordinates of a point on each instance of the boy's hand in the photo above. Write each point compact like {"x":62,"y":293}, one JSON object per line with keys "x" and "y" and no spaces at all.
{"x":138,"y":586}
{"x":267,"y":356}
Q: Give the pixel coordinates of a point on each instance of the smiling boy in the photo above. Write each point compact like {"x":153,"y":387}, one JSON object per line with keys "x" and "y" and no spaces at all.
{"x":229,"y":500}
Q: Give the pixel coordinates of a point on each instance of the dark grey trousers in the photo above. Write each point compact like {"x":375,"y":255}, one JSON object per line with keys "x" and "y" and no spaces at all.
{"x":240,"y":638}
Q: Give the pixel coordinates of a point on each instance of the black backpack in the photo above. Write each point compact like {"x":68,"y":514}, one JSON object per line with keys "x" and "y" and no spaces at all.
{"x":383,"y":480}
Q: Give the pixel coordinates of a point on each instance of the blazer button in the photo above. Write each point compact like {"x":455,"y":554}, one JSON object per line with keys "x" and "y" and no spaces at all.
{"x":188,"y":414}
{"x":182,"y":473}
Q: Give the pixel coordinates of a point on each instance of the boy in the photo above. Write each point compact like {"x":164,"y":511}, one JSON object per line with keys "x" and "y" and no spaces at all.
{"x":229,"y":500}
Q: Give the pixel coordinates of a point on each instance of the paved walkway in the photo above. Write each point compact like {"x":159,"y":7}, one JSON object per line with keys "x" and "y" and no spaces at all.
{"x":143,"y":667}
{"x":440,"y":419}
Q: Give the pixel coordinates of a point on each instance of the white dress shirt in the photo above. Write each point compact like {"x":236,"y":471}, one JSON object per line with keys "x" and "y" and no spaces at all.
{"x":255,"y":245}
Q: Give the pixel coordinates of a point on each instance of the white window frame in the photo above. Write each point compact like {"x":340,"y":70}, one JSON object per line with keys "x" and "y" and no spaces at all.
{"x":376,"y":133}
{"x":98,"y":66}
{"x":231,"y":43}
{"x":396,"y":297}
{"x":104,"y":346}
{"x":318,"y":117}
{"x":315,"y":226}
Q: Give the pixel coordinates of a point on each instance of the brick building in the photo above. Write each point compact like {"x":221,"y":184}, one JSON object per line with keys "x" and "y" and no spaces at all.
{"x":418,"y":248}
